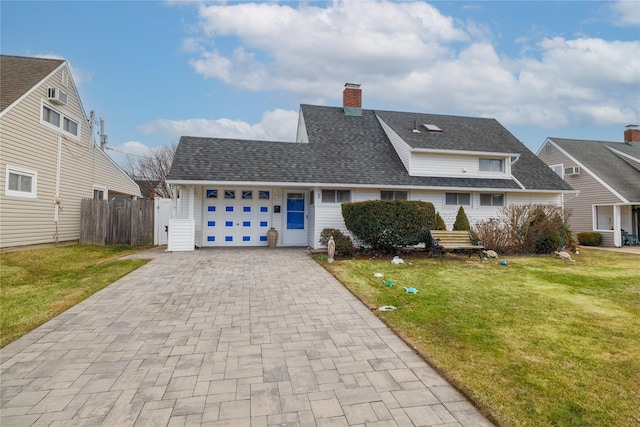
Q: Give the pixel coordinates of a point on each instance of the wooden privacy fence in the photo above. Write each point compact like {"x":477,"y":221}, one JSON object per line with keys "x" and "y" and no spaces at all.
{"x":116,"y":222}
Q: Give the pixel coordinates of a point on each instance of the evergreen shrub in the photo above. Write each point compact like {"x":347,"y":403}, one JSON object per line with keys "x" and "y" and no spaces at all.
{"x":344,"y":244}
{"x":589,"y":238}
{"x":386,"y":225}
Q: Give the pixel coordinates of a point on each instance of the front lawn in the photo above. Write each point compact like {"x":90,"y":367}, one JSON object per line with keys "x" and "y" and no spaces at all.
{"x":538,"y":342}
{"x":40,"y":284}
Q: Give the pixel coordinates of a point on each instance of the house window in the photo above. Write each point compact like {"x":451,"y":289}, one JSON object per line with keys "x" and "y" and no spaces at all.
{"x":21,"y":182}
{"x":604,"y":217}
{"x":312,"y":197}
{"x":60,"y":121}
{"x":492,"y":200}
{"x":558,"y":169}
{"x":336,"y":196}
{"x":70,"y":126}
{"x":99,"y":193}
{"x":457,"y":199}
{"x":491,"y":165}
{"x":50,"y":116}
{"x":394,"y":195}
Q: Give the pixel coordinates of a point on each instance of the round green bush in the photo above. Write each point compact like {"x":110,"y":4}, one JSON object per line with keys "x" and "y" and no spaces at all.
{"x":589,"y":238}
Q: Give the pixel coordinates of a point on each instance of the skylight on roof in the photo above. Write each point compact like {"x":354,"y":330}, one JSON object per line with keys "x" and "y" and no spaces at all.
{"x":431,"y":128}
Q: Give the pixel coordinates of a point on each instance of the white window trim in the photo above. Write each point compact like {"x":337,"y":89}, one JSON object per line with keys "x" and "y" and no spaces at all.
{"x":33,"y":194}
{"x":62,"y":117}
{"x":458,"y":192}
{"x":335,"y":203}
{"x":504,"y":201}
{"x":558,"y":165}
{"x":502,"y":160}
{"x":104,"y":190}
{"x":396,"y":191}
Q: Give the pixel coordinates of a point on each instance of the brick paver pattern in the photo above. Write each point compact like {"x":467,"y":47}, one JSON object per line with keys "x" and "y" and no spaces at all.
{"x":243,"y":337}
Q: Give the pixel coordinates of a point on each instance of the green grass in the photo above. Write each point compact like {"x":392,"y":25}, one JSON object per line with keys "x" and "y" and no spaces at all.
{"x":40,"y":284}
{"x":539,"y":342}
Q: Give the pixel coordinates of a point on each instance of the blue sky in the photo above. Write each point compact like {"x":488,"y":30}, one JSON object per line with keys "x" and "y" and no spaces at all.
{"x":157,"y":70}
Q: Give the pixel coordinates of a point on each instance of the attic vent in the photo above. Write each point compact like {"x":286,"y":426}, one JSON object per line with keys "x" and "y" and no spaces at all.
{"x":431,"y":128}
{"x":573,"y":170}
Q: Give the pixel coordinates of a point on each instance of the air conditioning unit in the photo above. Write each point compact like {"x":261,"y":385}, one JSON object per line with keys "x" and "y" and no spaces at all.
{"x":573,"y":170}
{"x":57,"y":96}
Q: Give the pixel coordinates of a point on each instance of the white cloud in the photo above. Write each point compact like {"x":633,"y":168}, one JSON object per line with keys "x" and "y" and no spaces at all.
{"x":625,"y":12}
{"x":277,"y":125}
{"x":410,"y":54}
{"x":130,"y":149}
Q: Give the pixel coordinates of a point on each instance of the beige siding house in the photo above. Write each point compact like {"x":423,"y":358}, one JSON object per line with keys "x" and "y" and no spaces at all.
{"x":607,"y":176}
{"x":48,"y":159}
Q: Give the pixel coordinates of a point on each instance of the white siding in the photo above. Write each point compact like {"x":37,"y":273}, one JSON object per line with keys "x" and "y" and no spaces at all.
{"x":452,"y":165}
{"x":402,"y":148}
{"x":30,"y":144}
{"x":301,"y":135}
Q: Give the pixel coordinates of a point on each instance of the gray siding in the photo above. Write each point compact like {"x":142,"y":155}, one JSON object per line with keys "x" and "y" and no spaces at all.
{"x":591,"y":193}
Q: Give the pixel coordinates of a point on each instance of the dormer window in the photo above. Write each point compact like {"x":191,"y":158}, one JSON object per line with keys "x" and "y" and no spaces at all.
{"x":492,"y":165}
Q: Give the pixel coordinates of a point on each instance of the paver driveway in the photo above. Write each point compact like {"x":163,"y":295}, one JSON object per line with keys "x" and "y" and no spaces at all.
{"x":246,"y":337}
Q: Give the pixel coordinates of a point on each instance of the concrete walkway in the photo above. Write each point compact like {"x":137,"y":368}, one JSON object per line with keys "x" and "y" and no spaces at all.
{"x":246,"y":337}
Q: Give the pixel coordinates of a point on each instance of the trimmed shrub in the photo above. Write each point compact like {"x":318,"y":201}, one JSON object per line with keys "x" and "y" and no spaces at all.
{"x":385,"y":225}
{"x":589,"y":238}
{"x":440,"y":225}
{"x":462,"y":222}
{"x":344,"y":244}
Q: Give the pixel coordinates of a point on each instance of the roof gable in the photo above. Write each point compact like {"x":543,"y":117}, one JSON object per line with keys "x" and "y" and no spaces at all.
{"x":599,"y":157}
{"x":19,"y":74}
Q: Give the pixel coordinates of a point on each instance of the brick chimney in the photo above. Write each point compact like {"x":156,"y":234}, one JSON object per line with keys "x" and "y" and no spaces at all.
{"x":632,"y":134}
{"x":352,"y":99}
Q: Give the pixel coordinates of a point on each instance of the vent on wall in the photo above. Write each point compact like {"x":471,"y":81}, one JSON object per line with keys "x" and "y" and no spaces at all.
{"x":573,"y":170}
{"x":57,"y":96}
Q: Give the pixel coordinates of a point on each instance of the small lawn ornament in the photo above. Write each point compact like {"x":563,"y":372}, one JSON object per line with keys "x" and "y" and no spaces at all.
{"x":386,"y":308}
{"x":331,"y":248}
{"x":490,"y":254}
{"x":378,"y":275}
{"x":411,"y":290}
{"x":397,"y":260}
{"x":564,"y":256}
{"x":388,"y":283}
{"x":503,"y":262}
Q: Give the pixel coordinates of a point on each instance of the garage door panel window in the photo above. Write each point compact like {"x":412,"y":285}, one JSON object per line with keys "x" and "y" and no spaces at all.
{"x":212,"y":194}
{"x":247,"y":194}
{"x":229,"y":194}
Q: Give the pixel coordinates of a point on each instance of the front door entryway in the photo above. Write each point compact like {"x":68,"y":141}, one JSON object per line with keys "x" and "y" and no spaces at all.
{"x":295,"y":229}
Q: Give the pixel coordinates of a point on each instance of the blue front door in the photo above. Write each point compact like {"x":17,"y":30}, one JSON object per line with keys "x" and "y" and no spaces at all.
{"x":295,"y":232}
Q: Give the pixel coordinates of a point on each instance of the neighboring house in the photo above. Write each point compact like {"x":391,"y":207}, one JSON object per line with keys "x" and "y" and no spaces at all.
{"x":607,"y":174}
{"x":231,"y":192}
{"x":48,"y":158}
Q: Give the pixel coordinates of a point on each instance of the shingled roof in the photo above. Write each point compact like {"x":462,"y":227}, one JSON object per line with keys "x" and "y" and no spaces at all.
{"x":19,"y":74}
{"x":352,"y":150}
{"x":618,"y":171}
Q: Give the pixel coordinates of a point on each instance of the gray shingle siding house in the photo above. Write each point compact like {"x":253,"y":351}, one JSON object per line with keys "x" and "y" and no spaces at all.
{"x":231,"y":192}
{"x":607,"y":174}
